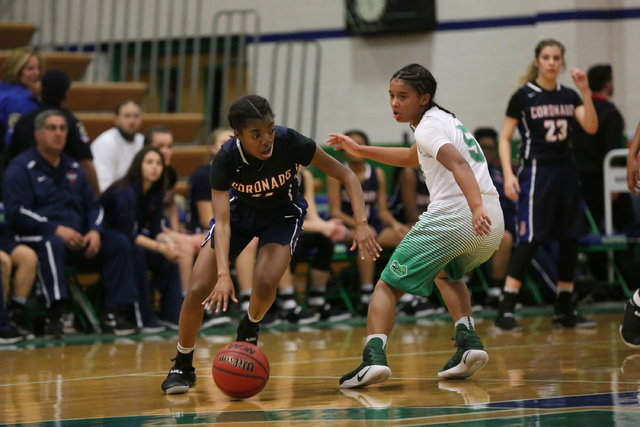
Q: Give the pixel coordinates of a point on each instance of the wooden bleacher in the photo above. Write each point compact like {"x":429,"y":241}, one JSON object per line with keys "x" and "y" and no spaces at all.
{"x":94,"y":103}
{"x":74,"y":64}
{"x":185,"y":126}
{"x":15,"y":34}
{"x":103,"y":96}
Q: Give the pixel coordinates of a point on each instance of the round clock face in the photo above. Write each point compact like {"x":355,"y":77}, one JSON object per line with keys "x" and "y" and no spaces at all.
{"x":370,"y":10}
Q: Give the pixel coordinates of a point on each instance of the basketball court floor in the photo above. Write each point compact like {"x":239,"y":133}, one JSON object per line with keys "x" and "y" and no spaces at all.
{"x":538,"y":376}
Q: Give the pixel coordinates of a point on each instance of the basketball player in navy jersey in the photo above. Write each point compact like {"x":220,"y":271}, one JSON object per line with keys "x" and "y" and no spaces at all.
{"x":259,"y":166}
{"x":546,"y":187}
{"x":630,"y":328}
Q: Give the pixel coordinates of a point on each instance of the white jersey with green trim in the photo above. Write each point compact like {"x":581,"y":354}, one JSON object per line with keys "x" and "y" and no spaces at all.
{"x":435,"y":129}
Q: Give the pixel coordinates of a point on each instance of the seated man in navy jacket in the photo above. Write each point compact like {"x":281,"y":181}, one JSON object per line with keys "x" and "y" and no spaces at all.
{"x":51,"y":207}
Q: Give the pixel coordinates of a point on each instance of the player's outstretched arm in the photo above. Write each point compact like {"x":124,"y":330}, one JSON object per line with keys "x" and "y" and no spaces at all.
{"x":364,"y":240}
{"x":395,"y":156}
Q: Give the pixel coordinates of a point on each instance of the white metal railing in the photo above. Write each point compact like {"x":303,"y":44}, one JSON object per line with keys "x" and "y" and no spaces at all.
{"x":152,"y":39}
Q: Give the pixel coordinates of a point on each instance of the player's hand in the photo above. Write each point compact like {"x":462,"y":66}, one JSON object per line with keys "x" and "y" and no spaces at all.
{"x":221,"y":293}
{"x":342,"y":142}
{"x":511,"y":186}
{"x":633,"y":175}
{"x":481,"y":222}
{"x":580,"y":79}
{"x":364,"y":240}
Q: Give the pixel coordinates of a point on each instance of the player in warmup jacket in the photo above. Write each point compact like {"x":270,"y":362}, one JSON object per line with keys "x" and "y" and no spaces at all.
{"x":460,"y":230}
{"x":259,"y":165}
{"x":547,"y":185}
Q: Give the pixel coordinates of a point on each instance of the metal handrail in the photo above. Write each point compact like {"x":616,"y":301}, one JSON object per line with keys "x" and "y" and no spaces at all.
{"x":113,"y":30}
{"x":287,"y":97}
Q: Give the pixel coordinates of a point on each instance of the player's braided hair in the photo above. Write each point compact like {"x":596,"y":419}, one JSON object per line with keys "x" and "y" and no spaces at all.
{"x":247,"y":108}
{"x":421,"y":80}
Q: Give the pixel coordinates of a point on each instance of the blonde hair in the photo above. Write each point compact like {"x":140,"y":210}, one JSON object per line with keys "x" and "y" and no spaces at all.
{"x":16,"y":61}
{"x":532,"y":71}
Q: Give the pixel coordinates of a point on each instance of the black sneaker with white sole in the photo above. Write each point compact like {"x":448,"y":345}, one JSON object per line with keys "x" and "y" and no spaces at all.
{"x":630,"y":329}
{"x":116,"y":324}
{"x":299,"y":315}
{"x":210,"y":319}
{"x":10,"y":335}
{"x":182,"y":375}
{"x":565,"y":314}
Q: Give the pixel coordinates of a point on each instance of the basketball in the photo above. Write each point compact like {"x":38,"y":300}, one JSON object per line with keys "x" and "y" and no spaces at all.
{"x":240,"y":370}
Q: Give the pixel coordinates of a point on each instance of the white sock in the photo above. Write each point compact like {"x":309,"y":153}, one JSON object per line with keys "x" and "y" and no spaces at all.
{"x":367,"y":287}
{"x":252,"y":319}
{"x":19,"y":300}
{"x":185,"y":350}
{"x":383,"y":337}
{"x":467,"y":321}
{"x":636,"y":298}
{"x":511,"y":290}
{"x":288,"y":291}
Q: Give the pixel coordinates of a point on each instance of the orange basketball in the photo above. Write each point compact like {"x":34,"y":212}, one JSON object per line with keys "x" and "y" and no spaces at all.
{"x":240,"y":370}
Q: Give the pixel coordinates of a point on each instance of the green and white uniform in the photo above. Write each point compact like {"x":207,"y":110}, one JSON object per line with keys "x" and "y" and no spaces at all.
{"x":443,"y":238}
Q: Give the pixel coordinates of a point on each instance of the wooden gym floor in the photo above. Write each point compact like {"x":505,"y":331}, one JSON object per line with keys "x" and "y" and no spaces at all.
{"x":538,"y":376}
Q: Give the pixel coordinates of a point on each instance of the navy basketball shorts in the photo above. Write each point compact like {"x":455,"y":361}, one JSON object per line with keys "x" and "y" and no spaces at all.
{"x":549,"y":205}
{"x":282,"y":226}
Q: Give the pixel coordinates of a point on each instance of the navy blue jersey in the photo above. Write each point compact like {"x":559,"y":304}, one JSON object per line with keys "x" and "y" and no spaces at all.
{"x":38,"y":196}
{"x":544,"y":119}
{"x":370,"y":188}
{"x":15,"y":100}
{"x":263,"y":185}
{"x":396,"y":205}
{"x":198,"y":190}
{"x":130,"y":211}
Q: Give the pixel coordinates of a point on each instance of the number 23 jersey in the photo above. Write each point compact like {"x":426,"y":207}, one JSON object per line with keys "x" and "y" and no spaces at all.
{"x":545,"y":119}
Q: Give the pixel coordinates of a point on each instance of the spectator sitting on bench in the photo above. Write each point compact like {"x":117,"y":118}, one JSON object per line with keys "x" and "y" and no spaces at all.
{"x":133,"y":206}
{"x":114,"y":149}
{"x":51,"y":207}
{"x":388,"y":231}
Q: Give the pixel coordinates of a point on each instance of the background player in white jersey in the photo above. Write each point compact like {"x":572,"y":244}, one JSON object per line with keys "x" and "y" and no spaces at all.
{"x":460,"y":230}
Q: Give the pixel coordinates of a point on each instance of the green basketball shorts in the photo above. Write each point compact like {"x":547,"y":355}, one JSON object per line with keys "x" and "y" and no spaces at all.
{"x":443,"y":239}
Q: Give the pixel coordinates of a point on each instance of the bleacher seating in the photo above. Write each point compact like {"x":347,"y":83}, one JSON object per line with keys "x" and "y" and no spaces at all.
{"x":74,"y":64}
{"x":185,"y":126}
{"x":103,"y":96}
{"x":15,"y":34}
